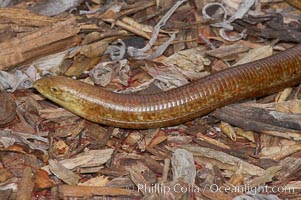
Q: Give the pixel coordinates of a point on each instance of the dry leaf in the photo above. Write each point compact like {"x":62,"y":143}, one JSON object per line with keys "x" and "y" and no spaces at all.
{"x":228,"y":130}
{"x":190,"y":59}
{"x":246,"y":134}
{"x":282,"y":96}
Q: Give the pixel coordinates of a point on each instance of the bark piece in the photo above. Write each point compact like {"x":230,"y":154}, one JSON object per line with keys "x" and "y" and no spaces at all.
{"x":228,"y":52}
{"x":45,"y":41}
{"x":268,"y":176}
{"x":23,"y":17}
{"x":99,"y":134}
{"x":66,"y":129}
{"x":26,"y":185}
{"x":261,"y":120}
{"x":255,"y":54}
{"x":123,"y":182}
{"x":223,"y":158}
{"x":153,"y":164}
{"x":99,"y":181}
{"x":42,"y":180}
{"x":90,"y":158}
{"x":63,"y":173}
{"x":5,"y":175}
{"x":291,"y":167}
{"x":7,"y":108}
{"x":81,"y":64}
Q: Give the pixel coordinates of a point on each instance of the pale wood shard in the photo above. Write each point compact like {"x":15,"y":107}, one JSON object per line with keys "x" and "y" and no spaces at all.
{"x":24,"y":17}
{"x":267,"y":177}
{"x":280,"y":152}
{"x":81,"y":64}
{"x":63,"y":173}
{"x":223,"y":158}
{"x":228,"y":52}
{"x":45,"y":41}
{"x":87,"y":159}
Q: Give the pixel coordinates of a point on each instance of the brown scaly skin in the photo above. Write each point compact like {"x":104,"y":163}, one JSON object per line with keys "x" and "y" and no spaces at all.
{"x":178,"y":105}
{"x":295,"y":3}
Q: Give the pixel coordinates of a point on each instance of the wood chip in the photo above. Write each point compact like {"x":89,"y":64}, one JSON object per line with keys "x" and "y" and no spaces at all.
{"x":221,"y":157}
{"x":48,"y":40}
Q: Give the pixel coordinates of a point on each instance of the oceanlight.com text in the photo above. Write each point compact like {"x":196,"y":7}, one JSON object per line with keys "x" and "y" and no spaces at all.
{"x":178,"y":188}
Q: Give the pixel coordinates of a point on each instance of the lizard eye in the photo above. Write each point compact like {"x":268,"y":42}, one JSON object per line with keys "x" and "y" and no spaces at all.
{"x":53,"y":89}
